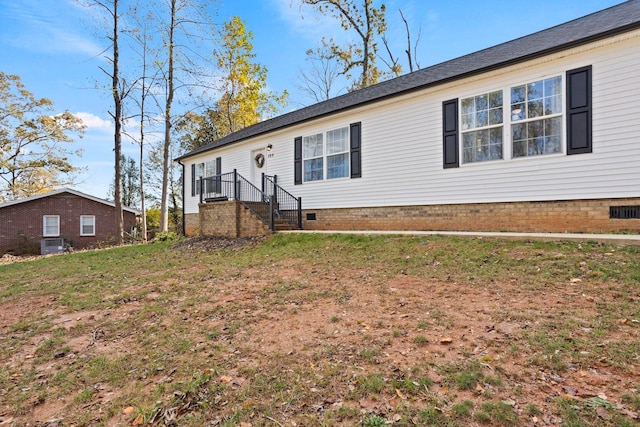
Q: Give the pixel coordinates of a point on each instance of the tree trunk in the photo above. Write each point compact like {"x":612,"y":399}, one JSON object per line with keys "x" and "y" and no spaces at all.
{"x":118,"y":130}
{"x":164,"y":207}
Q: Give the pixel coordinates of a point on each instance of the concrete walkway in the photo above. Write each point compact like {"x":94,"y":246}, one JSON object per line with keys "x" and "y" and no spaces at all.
{"x":618,"y":239}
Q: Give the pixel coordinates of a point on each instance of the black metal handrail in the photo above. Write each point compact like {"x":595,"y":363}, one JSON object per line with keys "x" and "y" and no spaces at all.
{"x":266,"y":205}
{"x":286,"y":205}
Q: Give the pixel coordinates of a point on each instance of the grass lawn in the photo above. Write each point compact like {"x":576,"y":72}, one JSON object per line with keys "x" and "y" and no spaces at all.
{"x":324,"y":330}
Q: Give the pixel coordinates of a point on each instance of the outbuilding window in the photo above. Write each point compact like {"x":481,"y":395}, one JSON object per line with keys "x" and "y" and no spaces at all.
{"x":87,"y":225}
{"x":51,"y":225}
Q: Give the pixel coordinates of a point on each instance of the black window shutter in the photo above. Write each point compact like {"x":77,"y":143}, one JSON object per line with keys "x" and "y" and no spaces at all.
{"x":450,"y":133}
{"x":297,"y":161}
{"x":356,"y":157}
{"x":579,"y":111}
{"x":218,"y":180}
{"x":193,"y":180}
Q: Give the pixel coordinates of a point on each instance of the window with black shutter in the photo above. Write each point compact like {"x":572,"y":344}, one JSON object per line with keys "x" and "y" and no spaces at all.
{"x":356,"y":157}
{"x":450,"y":133}
{"x":297,"y":161}
{"x":193,"y":180}
{"x":332,"y":154}
{"x":579,"y":139}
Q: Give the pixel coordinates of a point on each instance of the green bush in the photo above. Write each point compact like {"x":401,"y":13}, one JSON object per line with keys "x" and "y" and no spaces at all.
{"x":167,"y":236}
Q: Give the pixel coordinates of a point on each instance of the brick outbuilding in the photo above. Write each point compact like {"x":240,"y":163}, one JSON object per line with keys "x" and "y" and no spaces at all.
{"x":82,"y":220}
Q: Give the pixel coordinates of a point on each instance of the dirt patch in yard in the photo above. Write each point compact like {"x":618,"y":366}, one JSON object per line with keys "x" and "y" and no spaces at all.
{"x":296,"y":343}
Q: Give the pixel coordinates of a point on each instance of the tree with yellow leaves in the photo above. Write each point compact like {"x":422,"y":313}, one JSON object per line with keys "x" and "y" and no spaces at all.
{"x":243,"y":101}
{"x":33,"y":155}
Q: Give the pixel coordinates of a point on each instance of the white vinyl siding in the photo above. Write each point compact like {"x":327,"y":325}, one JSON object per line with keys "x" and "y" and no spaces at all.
{"x":402,"y":143}
{"x":51,"y":225}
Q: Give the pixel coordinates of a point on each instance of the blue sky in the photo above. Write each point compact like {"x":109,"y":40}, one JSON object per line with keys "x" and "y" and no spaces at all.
{"x":52,"y":45}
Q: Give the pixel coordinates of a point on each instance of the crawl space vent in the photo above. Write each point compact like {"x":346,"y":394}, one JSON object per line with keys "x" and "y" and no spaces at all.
{"x":624,"y":212}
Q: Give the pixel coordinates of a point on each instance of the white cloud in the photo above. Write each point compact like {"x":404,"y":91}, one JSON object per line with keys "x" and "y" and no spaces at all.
{"x":309,"y":23}
{"x":94,"y":122}
{"x":45,"y":27}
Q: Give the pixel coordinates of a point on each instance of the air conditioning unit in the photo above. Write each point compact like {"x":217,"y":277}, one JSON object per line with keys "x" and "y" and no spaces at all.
{"x":51,"y":246}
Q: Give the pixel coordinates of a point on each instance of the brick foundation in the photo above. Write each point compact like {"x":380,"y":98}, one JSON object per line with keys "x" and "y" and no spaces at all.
{"x":231,"y":219}
{"x":227,"y":219}
{"x":192,"y":224}
{"x":571,"y":216}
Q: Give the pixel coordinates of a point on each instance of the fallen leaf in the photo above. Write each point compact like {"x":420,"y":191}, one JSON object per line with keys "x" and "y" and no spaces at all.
{"x":399,"y":393}
{"x":138,"y":421}
{"x":226,"y":379}
{"x":128,"y":410}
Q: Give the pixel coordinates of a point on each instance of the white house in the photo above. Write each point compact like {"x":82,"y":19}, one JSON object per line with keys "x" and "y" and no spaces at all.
{"x":541,"y":133}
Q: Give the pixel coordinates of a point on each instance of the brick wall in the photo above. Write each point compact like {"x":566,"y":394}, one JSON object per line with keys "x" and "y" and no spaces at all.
{"x":228,"y":219}
{"x":21,"y":225}
{"x":192,"y":224}
{"x":575,"y":216}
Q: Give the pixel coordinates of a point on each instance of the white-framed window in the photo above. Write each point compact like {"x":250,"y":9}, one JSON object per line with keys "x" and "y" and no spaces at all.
{"x":326,"y":155}
{"x":209,"y":171}
{"x":536,"y":118}
{"x":548,"y":116}
{"x":199,"y":174}
{"x":51,"y":225}
{"x":313,"y":157}
{"x":87,"y":225}
{"x":481,"y":125}
{"x":338,"y":153}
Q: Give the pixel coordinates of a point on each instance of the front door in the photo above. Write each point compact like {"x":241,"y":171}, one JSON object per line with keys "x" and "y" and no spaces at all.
{"x":258,"y":166}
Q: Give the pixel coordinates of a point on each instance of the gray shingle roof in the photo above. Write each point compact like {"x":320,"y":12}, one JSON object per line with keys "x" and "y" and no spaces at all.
{"x":70,"y":191}
{"x":614,"y":20}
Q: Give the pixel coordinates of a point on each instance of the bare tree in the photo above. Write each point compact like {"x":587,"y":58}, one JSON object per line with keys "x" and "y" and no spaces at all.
{"x":393,"y":63}
{"x":146,"y":82}
{"x":164,"y":208}
{"x":411,"y":50}
{"x":367,"y":22}
{"x":183,"y":15}
{"x":119,"y":92}
{"x":318,"y":82}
